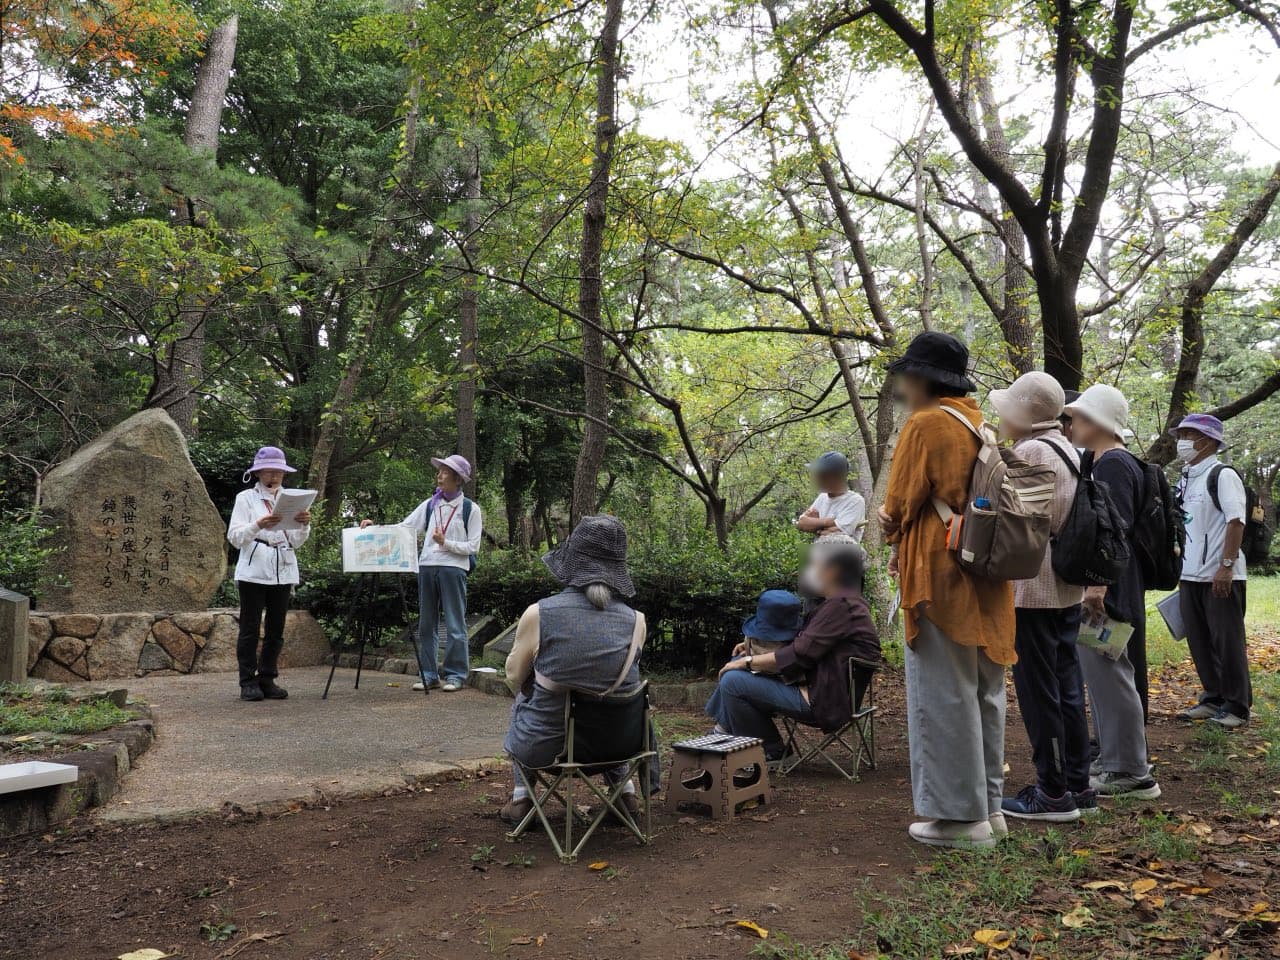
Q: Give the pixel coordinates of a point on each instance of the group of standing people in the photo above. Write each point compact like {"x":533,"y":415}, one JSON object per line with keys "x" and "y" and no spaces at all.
{"x":961,"y":630}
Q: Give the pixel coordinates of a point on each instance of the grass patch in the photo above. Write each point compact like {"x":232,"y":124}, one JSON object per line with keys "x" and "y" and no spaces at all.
{"x":1262,"y":617}
{"x":22,"y":710}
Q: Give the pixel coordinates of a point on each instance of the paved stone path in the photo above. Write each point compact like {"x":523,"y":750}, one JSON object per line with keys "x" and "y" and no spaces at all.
{"x":211,"y":748}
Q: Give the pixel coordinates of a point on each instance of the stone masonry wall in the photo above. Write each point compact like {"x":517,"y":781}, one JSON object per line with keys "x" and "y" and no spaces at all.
{"x":71,"y":647}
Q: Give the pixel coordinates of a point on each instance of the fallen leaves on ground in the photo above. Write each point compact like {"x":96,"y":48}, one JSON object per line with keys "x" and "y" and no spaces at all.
{"x":994,"y":939}
{"x":752,"y":927}
{"x":1081,"y":916}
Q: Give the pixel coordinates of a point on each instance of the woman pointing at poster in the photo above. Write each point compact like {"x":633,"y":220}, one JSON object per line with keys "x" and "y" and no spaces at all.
{"x":453,"y":526}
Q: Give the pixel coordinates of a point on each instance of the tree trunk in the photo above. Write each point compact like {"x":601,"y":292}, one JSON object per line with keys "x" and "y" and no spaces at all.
{"x":181,"y":372}
{"x":467,"y":315}
{"x":594,"y":375}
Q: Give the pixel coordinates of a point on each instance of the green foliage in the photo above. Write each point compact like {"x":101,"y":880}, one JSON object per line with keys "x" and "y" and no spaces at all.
{"x":25,"y":552}
{"x":24,"y":711}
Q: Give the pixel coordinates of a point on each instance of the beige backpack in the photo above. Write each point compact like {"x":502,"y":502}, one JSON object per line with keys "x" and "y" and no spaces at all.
{"x":1003,"y":533}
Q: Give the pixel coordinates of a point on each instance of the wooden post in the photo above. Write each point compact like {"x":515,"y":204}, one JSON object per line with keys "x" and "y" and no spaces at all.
{"x":14,"y":610}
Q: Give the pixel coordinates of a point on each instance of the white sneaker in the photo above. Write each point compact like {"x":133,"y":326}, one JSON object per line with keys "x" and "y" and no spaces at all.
{"x":451,"y":686}
{"x":999,"y":826}
{"x":954,"y":833}
{"x":1201,"y":711}
{"x":430,"y":686}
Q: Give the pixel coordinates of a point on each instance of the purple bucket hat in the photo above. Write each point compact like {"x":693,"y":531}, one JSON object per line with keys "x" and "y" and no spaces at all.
{"x":455,"y":462}
{"x":1203,"y":423}
{"x":268,"y":458}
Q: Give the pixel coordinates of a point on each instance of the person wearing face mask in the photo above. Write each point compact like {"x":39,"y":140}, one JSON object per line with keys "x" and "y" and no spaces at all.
{"x":266,"y":573}
{"x":1099,"y":418}
{"x":1212,"y":592}
{"x":453,"y":528}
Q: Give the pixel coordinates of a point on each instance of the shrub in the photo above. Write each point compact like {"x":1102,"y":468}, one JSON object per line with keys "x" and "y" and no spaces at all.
{"x":694,"y":595}
{"x":25,"y":552}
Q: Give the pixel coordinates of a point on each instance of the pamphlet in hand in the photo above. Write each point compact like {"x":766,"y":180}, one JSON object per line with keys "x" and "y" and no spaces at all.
{"x":290,"y":503}
{"x":1109,"y":637}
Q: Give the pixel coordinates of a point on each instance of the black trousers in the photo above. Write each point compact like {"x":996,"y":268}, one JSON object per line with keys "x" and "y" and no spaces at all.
{"x":1215,"y":636}
{"x":1051,"y":697}
{"x":257,"y":599}
{"x":1137,"y":651}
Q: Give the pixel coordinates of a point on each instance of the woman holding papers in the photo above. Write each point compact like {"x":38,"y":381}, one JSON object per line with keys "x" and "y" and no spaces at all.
{"x":266,"y":572}
{"x":1099,"y":417}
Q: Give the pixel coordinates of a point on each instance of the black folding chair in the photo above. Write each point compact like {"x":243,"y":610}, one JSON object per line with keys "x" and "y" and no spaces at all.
{"x":855,"y":739}
{"x":599,"y":734}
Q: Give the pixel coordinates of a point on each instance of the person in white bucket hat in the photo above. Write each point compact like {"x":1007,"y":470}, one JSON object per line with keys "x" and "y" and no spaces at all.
{"x":1099,"y":418}
{"x":453,"y":527}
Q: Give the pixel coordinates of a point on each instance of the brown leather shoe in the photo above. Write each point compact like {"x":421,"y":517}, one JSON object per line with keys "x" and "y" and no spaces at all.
{"x":515,"y":811}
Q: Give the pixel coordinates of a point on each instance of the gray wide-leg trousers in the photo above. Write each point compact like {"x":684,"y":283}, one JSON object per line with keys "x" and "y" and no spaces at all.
{"x":955,"y":726}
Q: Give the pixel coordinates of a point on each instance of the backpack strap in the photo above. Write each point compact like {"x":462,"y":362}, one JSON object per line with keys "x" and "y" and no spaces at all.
{"x":1075,"y":470}
{"x":1212,"y":483}
{"x":637,"y":642}
{"x":466,"y":513}
{"x":943,"y":509}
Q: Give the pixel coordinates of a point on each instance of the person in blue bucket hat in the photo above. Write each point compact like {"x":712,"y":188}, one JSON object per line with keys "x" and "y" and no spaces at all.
{"x":807,"y":678}
{"x":778,"y":618}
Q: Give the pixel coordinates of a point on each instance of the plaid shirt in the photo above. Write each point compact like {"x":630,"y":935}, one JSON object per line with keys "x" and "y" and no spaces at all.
{"x":1046,"y":590}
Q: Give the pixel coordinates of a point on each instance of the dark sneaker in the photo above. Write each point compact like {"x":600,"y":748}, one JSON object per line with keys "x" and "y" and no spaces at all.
{"x":1032,"y":803}
{"x":272,"y":690}
{"x":1086,"y":801}
{"x":251,"y":691}
{"x":1227,"y":720}
{"x":515,"y":811}
{"x":1121,"y":785}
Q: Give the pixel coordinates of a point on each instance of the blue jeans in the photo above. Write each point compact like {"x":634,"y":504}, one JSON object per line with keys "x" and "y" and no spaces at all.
{"x":443,"y":590}
{"x":745,"y":704}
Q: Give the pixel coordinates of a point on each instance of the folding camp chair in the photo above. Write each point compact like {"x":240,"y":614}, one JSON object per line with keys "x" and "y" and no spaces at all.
{"x":599,"y":734}
{"x":857,"y":738}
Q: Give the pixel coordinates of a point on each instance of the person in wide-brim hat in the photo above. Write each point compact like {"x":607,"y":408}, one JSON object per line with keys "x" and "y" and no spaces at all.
{"x":778,"y":618}
{"x":596,"y":552}
{"x":585,"y":639}
{"x":937,"y":357}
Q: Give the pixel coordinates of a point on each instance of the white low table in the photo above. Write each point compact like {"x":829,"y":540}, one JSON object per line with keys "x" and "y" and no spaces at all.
{"x":34,"y":774}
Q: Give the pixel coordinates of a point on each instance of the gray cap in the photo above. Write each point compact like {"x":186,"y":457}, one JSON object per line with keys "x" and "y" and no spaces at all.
{"x":831,"y":462}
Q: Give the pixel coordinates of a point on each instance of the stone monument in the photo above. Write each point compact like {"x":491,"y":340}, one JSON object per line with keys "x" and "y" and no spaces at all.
{"x":136,"y":529}
{"x":140,"y":552}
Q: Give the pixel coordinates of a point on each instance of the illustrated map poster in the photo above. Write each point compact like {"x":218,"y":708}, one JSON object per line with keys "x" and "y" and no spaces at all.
{"x":389,"y":549}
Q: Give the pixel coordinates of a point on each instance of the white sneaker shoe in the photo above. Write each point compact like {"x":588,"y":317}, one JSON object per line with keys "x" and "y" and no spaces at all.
{"x":954,"y":833}
{"x":999,"y":826}
{"x":1227,"y":720}
{"x":451,"y":686}
{"x":430,"y":686}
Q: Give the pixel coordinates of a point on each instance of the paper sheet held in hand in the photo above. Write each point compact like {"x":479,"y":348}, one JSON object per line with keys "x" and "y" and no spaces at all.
{"x":289,"y":504}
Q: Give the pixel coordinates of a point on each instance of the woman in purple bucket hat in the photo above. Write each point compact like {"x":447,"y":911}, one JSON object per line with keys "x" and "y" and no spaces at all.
{"x":453,"y":525}
{"x":266,"y":573}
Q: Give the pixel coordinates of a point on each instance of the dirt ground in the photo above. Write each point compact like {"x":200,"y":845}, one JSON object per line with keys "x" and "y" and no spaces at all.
{"x":428,"y":874}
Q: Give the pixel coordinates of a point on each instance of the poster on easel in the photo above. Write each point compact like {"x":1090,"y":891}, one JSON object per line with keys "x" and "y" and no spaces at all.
{"x":379,"y":549}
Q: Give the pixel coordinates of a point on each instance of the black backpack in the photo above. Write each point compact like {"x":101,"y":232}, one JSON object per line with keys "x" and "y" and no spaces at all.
{"x":1091,"y":549}
{"x":1256,"y":545}
{"x":1159,"y":533}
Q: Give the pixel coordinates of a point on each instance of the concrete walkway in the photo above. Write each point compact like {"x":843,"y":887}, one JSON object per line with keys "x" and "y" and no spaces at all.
{"x":212,"y":749}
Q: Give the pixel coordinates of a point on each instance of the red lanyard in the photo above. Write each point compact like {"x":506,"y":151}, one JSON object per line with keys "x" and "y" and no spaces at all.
{"x":444,"y":527}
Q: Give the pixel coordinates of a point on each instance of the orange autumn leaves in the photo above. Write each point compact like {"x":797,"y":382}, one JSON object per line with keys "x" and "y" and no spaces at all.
{"x":65,"y":63}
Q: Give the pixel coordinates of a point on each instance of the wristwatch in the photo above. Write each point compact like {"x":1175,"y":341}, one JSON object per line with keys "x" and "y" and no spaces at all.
{"x":1228,"y":562}
{"x":749,"y":659}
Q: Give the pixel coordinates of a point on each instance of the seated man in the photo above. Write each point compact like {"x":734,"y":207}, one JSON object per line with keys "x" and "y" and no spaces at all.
{"x":584,"y":638}
{"x":808,"y":679}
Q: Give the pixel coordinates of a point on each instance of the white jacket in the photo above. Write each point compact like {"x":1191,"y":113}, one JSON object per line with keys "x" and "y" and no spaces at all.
{"x":461,"y":541}
{"x":266,"y":556}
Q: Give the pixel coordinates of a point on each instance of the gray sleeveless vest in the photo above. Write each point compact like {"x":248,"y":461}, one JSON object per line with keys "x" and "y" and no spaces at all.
{"x":582,"y":647}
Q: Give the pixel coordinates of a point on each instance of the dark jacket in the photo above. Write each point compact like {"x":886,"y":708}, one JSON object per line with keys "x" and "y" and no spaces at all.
{"x":838,"y":630}
{"x":1125,"y":481}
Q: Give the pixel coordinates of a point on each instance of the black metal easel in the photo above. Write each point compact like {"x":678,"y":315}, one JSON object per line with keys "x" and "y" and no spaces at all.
{"x":366,"y":593}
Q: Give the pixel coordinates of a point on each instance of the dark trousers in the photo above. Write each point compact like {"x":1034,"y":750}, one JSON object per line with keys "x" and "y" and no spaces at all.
{"x":255,"y":600}
{"x":1051,"y":697}
{"x":1215,"y":636}
{"x":1137,"y":651}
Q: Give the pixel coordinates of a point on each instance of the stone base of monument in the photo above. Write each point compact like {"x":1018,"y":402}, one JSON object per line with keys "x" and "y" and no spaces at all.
{"x":73,"y":647}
